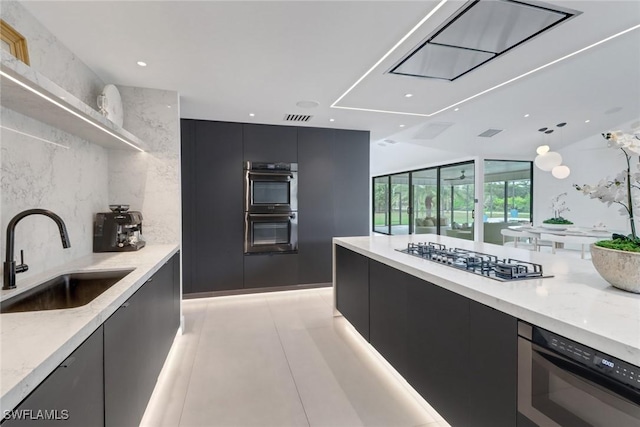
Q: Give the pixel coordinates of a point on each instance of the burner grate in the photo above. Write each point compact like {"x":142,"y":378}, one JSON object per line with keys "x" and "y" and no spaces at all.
{"x":504,"y":270}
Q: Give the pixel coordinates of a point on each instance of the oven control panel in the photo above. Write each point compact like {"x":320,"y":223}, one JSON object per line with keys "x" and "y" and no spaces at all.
{"x":610,"y":366}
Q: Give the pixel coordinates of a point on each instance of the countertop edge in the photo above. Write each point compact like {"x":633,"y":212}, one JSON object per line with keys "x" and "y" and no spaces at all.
{"x":562,"y":327}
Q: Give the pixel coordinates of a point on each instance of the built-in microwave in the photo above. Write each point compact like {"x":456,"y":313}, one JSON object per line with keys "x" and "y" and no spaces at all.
{"x":270,"y":187}
{"x":270,"y":233}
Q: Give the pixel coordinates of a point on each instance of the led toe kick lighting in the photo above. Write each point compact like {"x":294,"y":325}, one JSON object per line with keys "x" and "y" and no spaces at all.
{"x":67,"y":109}
{"x":471,"y":64}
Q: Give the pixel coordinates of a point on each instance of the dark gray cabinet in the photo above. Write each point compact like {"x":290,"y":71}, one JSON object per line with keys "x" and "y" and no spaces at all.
{"x":213,"y":219}
{"x":460,"y":355}
{"x":350,"y":184}
{"x":493,"y":366}
{"x":438,"y":348}
{"x":137,"y":338}
{"x":270,"y":143}
{"x":333,"y":200}
{"x":270,"y":270}
{"x":352,"y":288}
{"x":388,"y":313}
{"x":73,"y":394}
{"x":315,"y":204}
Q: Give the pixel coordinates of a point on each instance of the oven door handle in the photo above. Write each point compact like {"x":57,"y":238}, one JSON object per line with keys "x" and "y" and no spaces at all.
{"x":273,"y":215}
{"x":274,"y":174}
{"x":603,"y":388}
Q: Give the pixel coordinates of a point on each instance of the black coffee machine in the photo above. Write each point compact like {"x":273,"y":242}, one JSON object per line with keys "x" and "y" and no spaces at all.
{"x":118,"y":230}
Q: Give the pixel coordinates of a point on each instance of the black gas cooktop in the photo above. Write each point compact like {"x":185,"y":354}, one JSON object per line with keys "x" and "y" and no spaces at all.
{"x":502,"y":269}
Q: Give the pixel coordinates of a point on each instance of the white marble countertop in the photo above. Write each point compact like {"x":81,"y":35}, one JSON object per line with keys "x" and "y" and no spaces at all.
{"x":33,"y":344}
{"x":576,"y":303}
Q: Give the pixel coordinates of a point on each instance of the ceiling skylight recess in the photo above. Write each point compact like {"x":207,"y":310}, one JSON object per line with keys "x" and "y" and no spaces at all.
{"x":505,"y":43}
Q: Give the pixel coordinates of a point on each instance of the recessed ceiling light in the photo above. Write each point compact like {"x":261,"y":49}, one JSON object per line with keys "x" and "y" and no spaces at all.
{"x":168,"y":106}
{"x":526,"y":115}
{"x":251,"y":115}
{"x":332,"y":120}
{"x":401,"y":126}
{"x":456,"y":109}
{"x":141,"y":63}
{"x":408,"y":95}
{"x":307,"y":104}
{"x":587,"y":121}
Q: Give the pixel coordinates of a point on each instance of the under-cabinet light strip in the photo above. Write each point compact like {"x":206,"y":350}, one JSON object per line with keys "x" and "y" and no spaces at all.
{"x":414,"y":29}
{"x":35,"y":137}
{"x":56,"y":103}
{"x":477,"y":94}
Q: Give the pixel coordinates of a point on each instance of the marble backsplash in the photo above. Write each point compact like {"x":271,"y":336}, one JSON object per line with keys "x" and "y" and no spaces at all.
{"x":72,"y":182}
{"x":150,"y":181}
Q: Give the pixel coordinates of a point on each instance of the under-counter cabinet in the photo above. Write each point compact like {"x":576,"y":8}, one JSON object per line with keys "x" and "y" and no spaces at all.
{"x":137,"y":338}
{"x":73,"y":395}
{"x":109,"y":379}
{"x":460,"y":355}
{"x":352,"y":288}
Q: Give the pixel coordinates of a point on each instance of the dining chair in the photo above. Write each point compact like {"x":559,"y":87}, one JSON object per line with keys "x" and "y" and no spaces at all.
{"x":577,"y":240}
{"x":516,"y":242}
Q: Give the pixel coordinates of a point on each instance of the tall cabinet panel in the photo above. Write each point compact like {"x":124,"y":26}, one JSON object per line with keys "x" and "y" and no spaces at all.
{"x":269,"y":143}
{"x":315,"y":195}
{"x":216,"y":209}
{"x":187,"y":178}
{"x":350,"y":183}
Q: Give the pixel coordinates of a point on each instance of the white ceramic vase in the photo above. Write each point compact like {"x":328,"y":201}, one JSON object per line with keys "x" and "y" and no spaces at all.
{"x":620,"y":268}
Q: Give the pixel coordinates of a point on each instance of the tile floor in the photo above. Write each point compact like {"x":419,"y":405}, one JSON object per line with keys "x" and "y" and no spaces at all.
{"x":278,"y":359}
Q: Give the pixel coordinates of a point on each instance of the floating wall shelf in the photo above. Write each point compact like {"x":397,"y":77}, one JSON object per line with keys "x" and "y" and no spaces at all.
{"x":28,"y":92}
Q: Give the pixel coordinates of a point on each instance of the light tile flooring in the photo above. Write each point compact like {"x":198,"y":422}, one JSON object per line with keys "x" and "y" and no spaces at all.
{"x":278,"y":359}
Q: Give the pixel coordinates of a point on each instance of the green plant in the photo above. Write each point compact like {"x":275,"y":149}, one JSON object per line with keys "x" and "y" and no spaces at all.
{"x":620,"y":244}
{"x":557,"y":220}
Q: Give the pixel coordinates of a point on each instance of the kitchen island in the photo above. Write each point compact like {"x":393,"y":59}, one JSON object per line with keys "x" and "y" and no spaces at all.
{"x":454,"y":334}
{"x":34,"y":344}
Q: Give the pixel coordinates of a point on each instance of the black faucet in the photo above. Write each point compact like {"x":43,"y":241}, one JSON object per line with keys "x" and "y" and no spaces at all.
{"x":10,"y":268}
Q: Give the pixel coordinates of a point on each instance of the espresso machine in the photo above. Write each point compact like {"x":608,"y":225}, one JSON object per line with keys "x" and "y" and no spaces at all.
{"x":118,"y":231}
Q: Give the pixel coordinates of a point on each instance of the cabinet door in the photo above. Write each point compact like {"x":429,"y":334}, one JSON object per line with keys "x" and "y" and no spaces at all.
{"x":126,"y":370}
{"x":492,"y":366}
{"x":216,"y":209}
{"x":73,"y":392}
{"x":352,"y":288}
{"x":351,"y":183}
{"x":438,"y":349}
{"x":270,"y":143}
{"x":270,"y":270}
{"x":315,"y":204}
{"x":388,"y":313}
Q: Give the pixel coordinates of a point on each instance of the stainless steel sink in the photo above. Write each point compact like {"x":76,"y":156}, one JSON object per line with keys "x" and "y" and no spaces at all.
{"x":65,"y":291}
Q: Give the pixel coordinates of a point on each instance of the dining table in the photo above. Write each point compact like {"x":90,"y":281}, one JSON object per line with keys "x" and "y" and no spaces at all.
{"x":602,"y":232}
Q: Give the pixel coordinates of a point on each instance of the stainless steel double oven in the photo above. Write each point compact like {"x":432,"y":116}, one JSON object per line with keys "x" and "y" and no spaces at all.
{"x":271,"y":207}
{"x":565,"y":383}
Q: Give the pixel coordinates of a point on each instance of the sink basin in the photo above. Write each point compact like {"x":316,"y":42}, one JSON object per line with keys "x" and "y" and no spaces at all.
{"x":65,"y":291}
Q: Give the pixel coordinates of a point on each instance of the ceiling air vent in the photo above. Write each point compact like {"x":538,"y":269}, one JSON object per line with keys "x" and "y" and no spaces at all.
{"x":297,"y":118}
{"x":490,"y":132}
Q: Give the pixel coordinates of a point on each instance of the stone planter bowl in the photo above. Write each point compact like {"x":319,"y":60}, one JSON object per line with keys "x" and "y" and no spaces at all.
{"x":620,"y":268}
